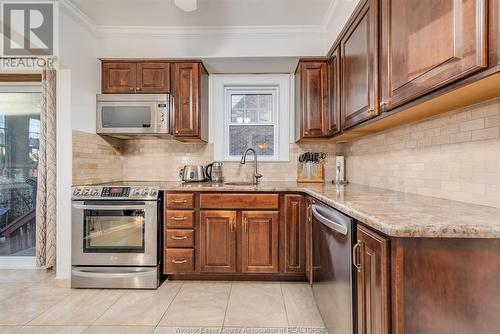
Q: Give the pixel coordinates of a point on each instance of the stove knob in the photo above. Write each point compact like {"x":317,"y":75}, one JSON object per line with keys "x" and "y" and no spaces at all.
{"x":77,"y":192}
{"x":86,"y":192}
{"x":145,"y":192}
{"x":95,"y":192}
{"x":153,"y":192}
{"x":135,"y":192}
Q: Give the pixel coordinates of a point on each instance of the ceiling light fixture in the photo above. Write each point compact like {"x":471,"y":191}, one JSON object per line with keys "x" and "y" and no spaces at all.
{"x":187,"y":5}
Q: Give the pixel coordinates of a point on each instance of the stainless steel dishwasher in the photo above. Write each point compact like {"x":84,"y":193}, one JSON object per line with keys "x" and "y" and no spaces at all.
{"x":332,"y":274}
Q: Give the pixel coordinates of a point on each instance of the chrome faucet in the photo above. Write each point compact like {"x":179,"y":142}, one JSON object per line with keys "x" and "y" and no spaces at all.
{"x":256,"y":175}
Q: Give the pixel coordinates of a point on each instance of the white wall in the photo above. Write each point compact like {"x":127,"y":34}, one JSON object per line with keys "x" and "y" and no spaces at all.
{"x":77,"y":84}
{"x":200,"y":46}
{"x":78,"y":53}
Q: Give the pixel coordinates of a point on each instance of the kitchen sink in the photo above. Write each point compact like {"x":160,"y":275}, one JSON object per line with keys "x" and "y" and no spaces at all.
{"x":239,"y":184}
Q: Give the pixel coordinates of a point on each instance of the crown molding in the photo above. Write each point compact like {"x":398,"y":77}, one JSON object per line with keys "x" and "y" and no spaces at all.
{"x":83,"y":19}
{"x":205,"y":31}
{"x":101,"y":31}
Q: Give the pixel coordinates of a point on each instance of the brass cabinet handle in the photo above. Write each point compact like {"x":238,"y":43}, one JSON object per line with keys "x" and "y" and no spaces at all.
{"x":179,"y":218}
{"x":179,"y":261}
{"x":179,"y":238}
{"x":309,"y":216}
{"x":179,"y":201}
{"x":306,"y":133}
{"x":245,"y":224}
{"x":355,"y":256}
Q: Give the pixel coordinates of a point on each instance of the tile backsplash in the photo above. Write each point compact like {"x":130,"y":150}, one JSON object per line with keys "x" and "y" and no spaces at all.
{"x":455,"y":155}
{"x":161,"y":160}
{"x":96,"y":159}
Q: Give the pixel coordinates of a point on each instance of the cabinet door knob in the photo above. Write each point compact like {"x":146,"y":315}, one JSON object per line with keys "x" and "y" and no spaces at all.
{"x":383,"y":105}
{"x":176,"y":131}
{"x":138,"y":88}
{"x":131,"y":89}
{"x":306,"y":133}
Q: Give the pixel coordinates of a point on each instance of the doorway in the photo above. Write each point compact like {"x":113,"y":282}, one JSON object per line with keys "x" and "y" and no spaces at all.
{"x":20,"y":105}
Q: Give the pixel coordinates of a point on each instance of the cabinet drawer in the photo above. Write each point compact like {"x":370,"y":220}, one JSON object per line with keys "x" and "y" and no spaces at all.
{"x":179,"y":201}
{"x":239,"y":201}
{"x":179,"y":218}
{"x":179,"y":260}
{"x":179,"y":238}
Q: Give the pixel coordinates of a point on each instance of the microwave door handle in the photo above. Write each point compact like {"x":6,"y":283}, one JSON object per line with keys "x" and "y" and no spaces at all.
{"x":110,"y":207}
{"x":327,"y":222}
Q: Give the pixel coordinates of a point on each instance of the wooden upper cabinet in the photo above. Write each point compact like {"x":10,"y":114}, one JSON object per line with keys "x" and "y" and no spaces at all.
{"x":186,"y":92}
{"x":153,"y":77}
{"x":427,"y":44}
{"x":358,"y":53}
{"x":259,"y":244}
{"x":119,"y":77}
{"x":372,"y":256}
{"x":311,"y":94}
{"x":217,"y":249}
{"x":135,"y":77}
{"x":332,"y":124}
{"x":294,"y":223}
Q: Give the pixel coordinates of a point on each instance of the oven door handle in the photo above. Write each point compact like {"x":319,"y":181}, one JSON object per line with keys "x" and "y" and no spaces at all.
{"x":112,"y":207}
{"x":328,"y":222}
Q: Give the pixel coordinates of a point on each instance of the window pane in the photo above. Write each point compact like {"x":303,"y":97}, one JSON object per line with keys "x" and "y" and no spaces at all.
{"x":265,"y":108}
{"x":19,"y":143}
{"x":251,"y":108}
{"x":237,"y":116}
{"x":259,"y":137}
{"x":251,"y":116}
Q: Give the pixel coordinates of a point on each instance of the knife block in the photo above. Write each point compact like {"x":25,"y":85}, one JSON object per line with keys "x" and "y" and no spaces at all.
{"x":310,"y":172}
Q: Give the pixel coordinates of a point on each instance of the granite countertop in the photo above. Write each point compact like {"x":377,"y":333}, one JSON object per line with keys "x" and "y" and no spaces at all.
{"x":393,"y":213}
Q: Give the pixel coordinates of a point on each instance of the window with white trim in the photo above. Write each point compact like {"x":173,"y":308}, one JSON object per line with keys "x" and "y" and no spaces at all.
{"x":251,"y":115}
{"x":250,"y":121}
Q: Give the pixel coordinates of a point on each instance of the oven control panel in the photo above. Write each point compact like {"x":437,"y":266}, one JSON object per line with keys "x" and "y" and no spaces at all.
{"x":115,"y":192}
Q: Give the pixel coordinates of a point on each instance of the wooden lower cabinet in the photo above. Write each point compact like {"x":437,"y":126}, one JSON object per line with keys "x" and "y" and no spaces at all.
{"x":309,"y":249}
{"x":294,"y":233}
{"x":259,"y":242}
{"x":179,"y":261}
{"x":218,"y":241}
{"x":372,"y":259}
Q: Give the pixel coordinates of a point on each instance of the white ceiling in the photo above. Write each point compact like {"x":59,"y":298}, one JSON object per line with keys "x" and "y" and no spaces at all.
{"x":215,"y":13}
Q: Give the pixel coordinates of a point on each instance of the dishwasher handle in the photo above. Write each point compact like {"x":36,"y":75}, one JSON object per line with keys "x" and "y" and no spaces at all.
{"x":319,"y":213}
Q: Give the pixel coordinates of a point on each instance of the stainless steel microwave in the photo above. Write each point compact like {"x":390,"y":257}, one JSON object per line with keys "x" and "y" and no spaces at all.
{"x":125,"y":115}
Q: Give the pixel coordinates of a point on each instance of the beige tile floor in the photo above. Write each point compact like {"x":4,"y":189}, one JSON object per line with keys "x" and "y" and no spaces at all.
{"x":32,"y":302}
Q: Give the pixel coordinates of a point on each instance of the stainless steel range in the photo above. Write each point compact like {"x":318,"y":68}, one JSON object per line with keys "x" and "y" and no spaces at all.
{"x":115,"y":237}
